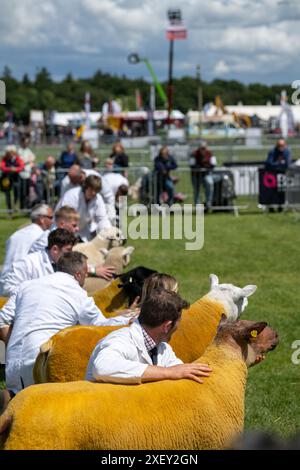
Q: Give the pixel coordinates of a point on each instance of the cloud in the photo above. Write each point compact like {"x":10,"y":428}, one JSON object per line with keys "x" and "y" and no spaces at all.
{"x":249,"y":40}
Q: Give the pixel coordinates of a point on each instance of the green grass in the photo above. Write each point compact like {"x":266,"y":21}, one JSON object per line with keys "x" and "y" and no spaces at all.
{"x":250,"y":249}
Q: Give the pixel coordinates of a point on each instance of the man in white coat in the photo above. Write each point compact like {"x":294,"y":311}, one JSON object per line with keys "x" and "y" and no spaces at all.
{"x":141,"y":353}
{"x":19,"y":243}
{"x":41,"y":263}
{"x":66,"y":217}
{"x":90,"y":205}
{"x":76,"y":176}
{"x":42,"y":308}
{"x":114,"y":179}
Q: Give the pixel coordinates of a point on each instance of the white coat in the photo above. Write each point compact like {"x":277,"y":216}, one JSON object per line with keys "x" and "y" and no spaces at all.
{"x":93,"y":214}
{"x":40,"y":309}
{"x":41,"y":243}
{"x":18,"y":245}
{"x":106,"y":192}
{"x":114,"y":181}
{"x":35,"y":265}
{"x":122,"y":357}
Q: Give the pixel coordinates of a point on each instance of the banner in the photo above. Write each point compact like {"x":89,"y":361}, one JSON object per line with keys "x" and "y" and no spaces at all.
{"x":272,"y":187}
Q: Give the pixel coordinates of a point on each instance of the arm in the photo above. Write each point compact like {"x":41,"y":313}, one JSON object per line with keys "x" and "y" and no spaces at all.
{"x":92,"y":315}
{"x":7,"y":313}
{"x":20,"y":165}
{"x":181,"y":371}
{"x":172,"y":164}
{"x":109,"y":199}
{"x":21,"y":271}
{"x":101,"y":216}
{"x":113,"y":362}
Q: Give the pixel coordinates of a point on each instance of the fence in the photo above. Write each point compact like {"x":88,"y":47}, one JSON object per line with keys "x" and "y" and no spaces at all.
{"x":234,"y":187}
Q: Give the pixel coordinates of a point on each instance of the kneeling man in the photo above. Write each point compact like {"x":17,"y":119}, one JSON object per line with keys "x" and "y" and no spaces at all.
{"x":141,"y":353}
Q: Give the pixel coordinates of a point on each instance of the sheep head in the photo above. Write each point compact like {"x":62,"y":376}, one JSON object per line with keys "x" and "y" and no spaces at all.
{"x":252,"y":339}
{"x":234,"y":299}
{"x":113,"y":235}
{"x":117,"y":256}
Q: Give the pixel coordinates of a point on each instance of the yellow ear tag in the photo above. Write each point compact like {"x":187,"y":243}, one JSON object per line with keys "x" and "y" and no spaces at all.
{"x":253,"y":333}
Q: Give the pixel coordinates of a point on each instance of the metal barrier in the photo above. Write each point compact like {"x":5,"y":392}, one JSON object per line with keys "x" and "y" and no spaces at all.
{"x":234,"y":188}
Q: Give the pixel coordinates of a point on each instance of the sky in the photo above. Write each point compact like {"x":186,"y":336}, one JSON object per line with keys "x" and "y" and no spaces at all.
{"x":245,"y":40}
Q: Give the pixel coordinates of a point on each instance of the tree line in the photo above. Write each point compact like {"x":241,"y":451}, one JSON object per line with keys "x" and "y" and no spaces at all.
{"x":43,"y":93}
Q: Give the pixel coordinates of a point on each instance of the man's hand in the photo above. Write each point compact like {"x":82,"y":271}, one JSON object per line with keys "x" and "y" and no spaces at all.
{"x":105,"y":272}
{"x":189,"y":371}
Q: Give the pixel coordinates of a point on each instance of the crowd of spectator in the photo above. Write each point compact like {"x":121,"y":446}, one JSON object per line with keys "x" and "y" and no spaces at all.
{"x":26,"y":182}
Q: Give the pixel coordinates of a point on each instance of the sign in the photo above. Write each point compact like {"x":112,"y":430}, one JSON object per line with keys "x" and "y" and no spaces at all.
{"x":176,"y":32}
{"x":293,"y":186}
{"x":272,"y":187}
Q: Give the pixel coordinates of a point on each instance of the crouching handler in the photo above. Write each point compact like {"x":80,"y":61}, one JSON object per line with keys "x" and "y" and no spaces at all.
{"x":41,"y":308}
{"x":141,"y":353}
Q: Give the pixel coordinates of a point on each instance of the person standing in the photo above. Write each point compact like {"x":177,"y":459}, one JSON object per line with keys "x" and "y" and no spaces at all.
{"x":164,"y":163}
{"x":11,"y":166}
{"x":279,"y":158}
{"x":28,"y":158}
{"x":202,"y":163}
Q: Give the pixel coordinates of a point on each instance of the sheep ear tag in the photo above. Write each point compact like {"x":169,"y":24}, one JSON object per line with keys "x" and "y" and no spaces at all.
{"x":254,"y":333}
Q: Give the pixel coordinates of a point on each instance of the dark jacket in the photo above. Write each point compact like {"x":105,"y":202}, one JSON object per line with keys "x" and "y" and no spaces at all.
{"x":278,"y":159}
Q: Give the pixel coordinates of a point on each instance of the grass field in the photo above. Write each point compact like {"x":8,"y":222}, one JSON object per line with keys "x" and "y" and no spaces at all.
{"x":251,"y":249}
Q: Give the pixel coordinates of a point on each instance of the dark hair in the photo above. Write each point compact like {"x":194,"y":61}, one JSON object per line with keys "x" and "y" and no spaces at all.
{"x":93,"y":182}
{"x":71,"y":262}
{"x":162,"y":305}
{"x":61,"y":237}
{"x":122,"y":190}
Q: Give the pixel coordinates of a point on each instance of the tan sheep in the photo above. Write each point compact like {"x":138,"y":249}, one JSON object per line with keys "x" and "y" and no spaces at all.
{"x":107,"y":238}
{"x":179,"y":414}
{"x":118,"y":258}
{"x":197,"y":329}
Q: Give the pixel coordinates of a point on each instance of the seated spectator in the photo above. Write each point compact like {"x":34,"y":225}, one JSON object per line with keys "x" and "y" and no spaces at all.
{"x":47,"y":184}
{"x":68,"y":157}
{"x":163,"y":164}
{"x":279,"y":158}
{"x":202,"y":162}
{"x":141,"y":352}
{"x":11,"y":167}
{"x":119,"y":157}
{"x":87,"y":158}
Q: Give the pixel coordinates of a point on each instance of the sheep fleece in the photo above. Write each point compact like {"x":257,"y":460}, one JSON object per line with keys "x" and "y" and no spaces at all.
{"x":179,"y":414}
{"x":68,"y":352}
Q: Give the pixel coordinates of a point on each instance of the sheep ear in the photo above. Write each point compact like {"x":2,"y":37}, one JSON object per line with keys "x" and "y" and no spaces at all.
{"x":104,"y":252}
{"x":252,"y":331}
{"x":222,"y":321}
{"x":126,"y":254}
{"x":214,"y":281}
{"x":248,"y":290}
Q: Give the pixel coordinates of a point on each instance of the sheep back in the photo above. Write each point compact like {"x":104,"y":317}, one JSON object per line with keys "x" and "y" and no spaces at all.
{"x":178,"y":414}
